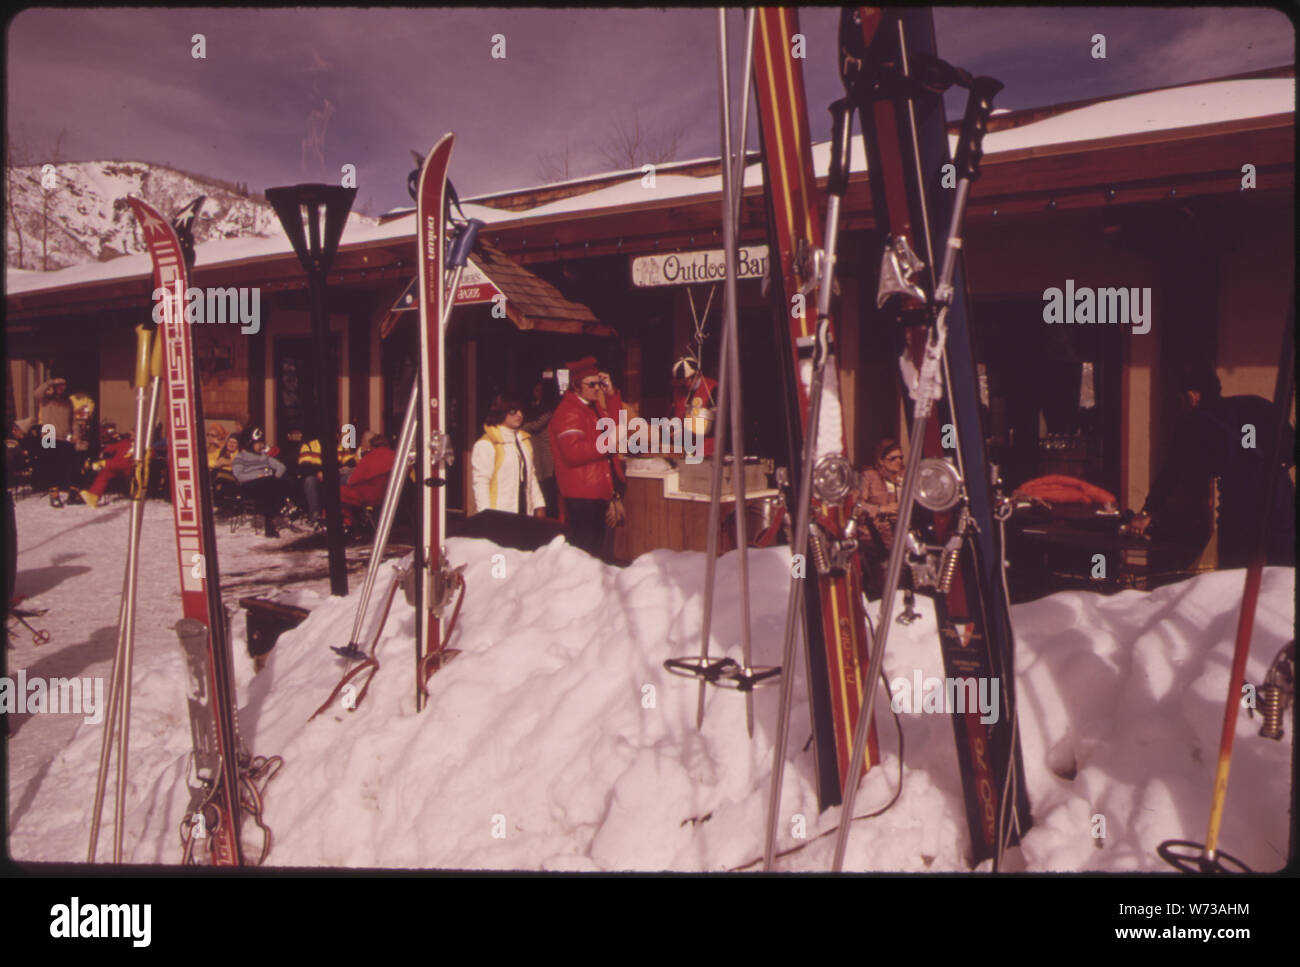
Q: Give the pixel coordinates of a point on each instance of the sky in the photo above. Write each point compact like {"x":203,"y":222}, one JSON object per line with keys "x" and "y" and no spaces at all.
{"x":291,"y":95}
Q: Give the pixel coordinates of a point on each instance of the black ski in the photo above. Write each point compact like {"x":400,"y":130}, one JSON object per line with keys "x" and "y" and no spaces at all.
{"x":896,"y":82}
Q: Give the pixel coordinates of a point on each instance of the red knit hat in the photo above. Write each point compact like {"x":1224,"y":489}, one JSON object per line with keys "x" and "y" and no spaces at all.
{"x":580,"y":369}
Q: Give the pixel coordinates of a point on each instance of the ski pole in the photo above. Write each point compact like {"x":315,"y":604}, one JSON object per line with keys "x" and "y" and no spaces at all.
{"x":388,"y":511}
{"x":928,"y":390}
{"x":139,"y":491}
{"x":730,"y":230}
{"x":722,"y":420}
{"x":729,"y":404}
{"x":457,"y":258}
{"x":837,"y":184}
{"x":147,"y":372}
{"x":1210,"y":858}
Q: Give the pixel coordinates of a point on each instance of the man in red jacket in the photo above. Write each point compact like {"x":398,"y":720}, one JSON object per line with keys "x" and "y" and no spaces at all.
{"x":366,"y":485}
{"x":588,"y":476}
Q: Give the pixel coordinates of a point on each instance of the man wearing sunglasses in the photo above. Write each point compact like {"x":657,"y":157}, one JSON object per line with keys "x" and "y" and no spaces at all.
{"x":591,"y":480}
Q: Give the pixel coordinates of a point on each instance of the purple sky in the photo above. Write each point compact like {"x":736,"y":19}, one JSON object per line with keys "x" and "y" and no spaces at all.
{"x":121,"y":84}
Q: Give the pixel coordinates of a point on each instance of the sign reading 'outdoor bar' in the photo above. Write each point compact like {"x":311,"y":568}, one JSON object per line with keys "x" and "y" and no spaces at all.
{"x":691,"y":268}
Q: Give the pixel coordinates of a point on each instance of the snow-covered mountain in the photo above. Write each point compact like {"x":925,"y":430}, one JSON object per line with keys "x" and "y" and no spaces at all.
{"x":84,"y":217}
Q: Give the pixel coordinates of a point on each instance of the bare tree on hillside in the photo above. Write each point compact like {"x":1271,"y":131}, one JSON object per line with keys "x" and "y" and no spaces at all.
{"x":629,"y":146}
{"x":53,"y":157}
{"x":554,"y":166}
{"x":21,"y":156}
{"x":17,"y":156}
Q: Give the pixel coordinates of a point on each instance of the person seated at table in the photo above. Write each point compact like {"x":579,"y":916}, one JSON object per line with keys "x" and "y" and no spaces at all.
{"x":260,"y":476}
{"x":876,"y":509}
{"x":369,"y":479}
{"x":116,"y":462}
{"x":224,"y":485}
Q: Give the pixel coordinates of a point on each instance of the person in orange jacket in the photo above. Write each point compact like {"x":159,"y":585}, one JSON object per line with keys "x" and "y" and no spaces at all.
{"x":589,"y":478}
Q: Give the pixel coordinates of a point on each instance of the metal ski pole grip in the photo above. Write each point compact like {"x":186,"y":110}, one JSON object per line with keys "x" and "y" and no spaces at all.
{"x":970,"y":143}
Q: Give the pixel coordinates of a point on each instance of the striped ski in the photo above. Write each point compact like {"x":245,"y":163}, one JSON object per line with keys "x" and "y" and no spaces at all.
{"x":834,"y":614}
{"x":212,"y":699}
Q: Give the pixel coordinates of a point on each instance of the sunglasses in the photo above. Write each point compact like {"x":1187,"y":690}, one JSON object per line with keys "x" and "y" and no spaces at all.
{"x":893,"y":457}
{"x":591,"y":384}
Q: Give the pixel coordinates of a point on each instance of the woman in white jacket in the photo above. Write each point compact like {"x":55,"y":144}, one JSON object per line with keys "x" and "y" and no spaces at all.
{"x":502,"y":464}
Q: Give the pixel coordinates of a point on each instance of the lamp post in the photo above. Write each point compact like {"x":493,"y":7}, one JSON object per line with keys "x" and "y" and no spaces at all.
{"x":315,"y":240}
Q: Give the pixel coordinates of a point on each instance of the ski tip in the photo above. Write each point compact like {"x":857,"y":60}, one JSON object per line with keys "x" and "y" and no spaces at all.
{"x":351,"y":652}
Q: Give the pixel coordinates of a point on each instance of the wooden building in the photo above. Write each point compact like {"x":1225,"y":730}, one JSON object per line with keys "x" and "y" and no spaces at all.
{"x":1187,"y":192}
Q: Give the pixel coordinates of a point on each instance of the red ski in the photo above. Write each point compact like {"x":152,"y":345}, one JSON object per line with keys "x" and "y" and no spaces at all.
{"x":833,"y":606}
{"x":212,"y":697}
{"x":436,"y":584}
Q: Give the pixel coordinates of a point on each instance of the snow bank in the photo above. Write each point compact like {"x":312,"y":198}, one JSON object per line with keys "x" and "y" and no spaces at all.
{"x":557,"y":741}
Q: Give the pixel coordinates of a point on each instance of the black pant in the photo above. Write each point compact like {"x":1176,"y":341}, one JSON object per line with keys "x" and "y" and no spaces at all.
{"x":551,"y":493}
{"x":587,"y":524}
{"x":57,"y":467}
{"x":268,"y":492}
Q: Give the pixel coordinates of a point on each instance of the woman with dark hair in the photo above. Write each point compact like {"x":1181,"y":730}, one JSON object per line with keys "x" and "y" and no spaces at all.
{"x":502,"y":463}
{"x":877,"y":508}
{"x":880,"y":487}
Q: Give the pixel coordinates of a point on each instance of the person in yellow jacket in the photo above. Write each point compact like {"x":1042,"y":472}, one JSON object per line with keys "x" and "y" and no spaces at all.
{"x":504,"y":476}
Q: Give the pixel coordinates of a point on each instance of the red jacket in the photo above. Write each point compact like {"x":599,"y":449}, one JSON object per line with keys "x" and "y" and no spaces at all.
{"x":370,"y":478}
{"x":377,"y":463}
{"x":581,"y":470}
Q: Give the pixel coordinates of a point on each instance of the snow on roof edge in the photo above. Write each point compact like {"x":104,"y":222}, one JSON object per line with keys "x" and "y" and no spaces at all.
{"x":1173,"y":108}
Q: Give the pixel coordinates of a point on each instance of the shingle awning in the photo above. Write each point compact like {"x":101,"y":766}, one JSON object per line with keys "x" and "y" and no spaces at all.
{"x":530,"y":302}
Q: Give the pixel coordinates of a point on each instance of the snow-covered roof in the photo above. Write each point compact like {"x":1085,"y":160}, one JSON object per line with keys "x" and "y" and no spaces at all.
{"x":1136,"y":114}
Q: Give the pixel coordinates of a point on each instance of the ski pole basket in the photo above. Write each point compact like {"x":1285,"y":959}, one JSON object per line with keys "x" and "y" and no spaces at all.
{"x":723,"y":672}
{"x":1188,"y":857}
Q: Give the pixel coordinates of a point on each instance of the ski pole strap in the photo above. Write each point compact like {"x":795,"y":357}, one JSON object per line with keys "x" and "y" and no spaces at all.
{"x":454,"y":199}
{"x":372,"y":664}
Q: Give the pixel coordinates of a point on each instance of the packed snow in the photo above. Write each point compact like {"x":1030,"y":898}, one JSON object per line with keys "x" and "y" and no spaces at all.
{"x":557,"y":741}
